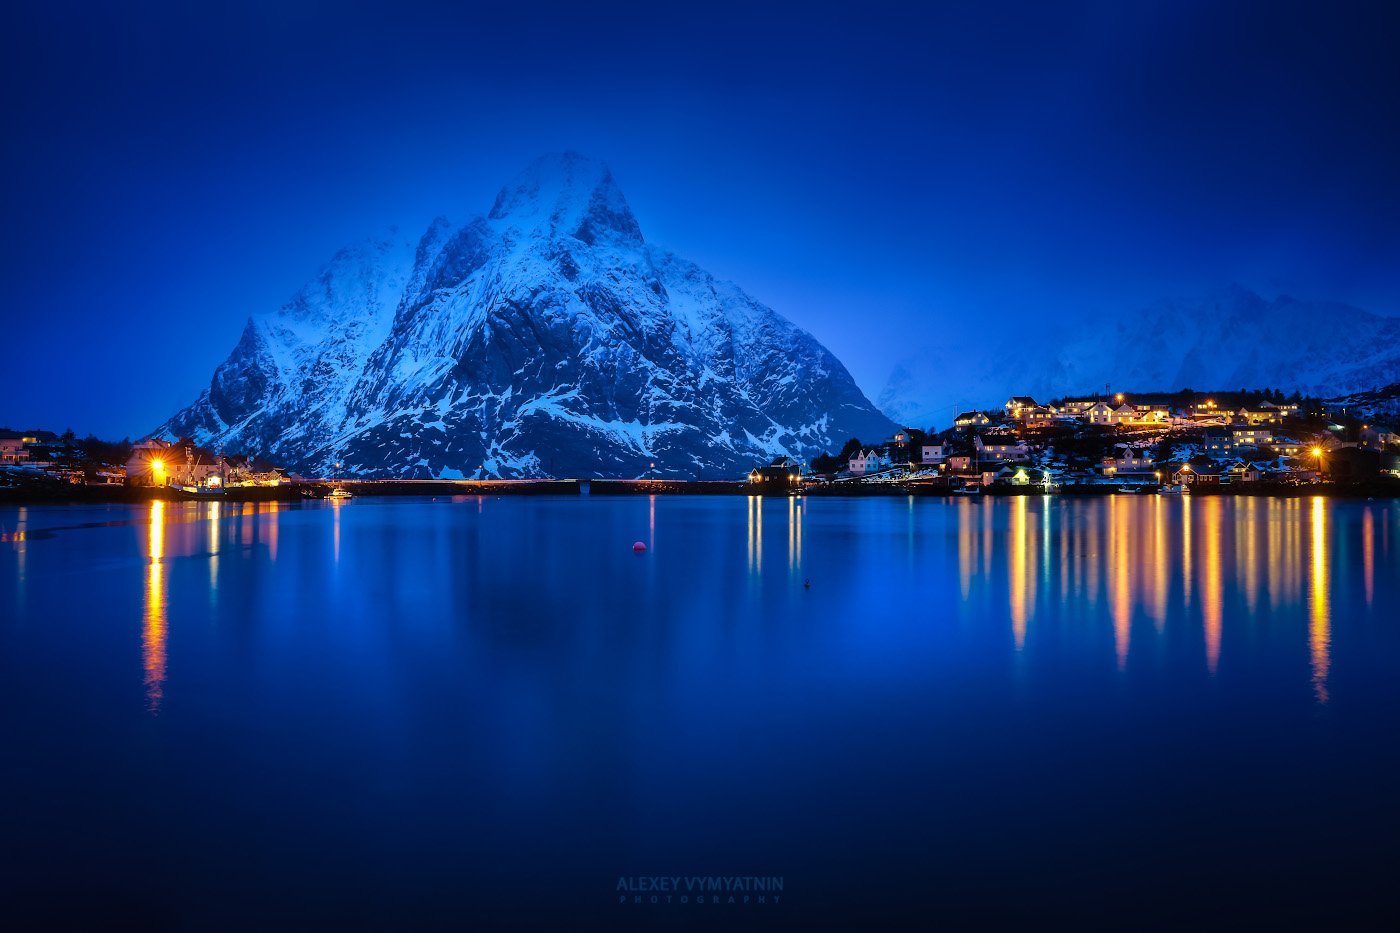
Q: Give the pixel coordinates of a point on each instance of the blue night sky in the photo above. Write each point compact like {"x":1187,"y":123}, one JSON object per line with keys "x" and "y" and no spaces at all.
{"x":167,"y":173}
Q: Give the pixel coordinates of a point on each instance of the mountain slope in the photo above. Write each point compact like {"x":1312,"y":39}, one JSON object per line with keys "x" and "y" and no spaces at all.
{"x":547,"y":338}
{"x":1233,"y":339}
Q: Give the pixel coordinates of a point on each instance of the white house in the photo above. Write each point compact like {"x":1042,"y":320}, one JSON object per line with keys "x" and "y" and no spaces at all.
{"x":931,"y":453}
{"x":972,"y":419}
{"x":867,"y":461}
{"x":1102,"y":413}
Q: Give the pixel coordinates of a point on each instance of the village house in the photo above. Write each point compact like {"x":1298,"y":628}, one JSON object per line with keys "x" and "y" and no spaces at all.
{"x":931,"y":453}
{"x":1077,"y":407}
{"x":1199,"y":471}
{"x":1243,"y":471}
{"x":1017,"y":405}
{"x":1127,"y":459}
{"x":147,"y":464}
{"x":998,"y":447}
{"x":898,"y":449}
{"x":13,"y":450}
{"x":972,"y":419}
{"x":866,"y":461}
{"x":1379,"y":437}
{"x":26,"y":446}
{"x":1125,"y":414}
{"x":1039,"y":416}
{"x":1102,"y":414}
{"x":960,"y":463}
{"x":155,"y":462}
{"x":1152,"y":414}
{"x":1219,"y":442}
{"x":1252,"y":436}
{"x":783,"y":470}
{"x":1263,"y":413}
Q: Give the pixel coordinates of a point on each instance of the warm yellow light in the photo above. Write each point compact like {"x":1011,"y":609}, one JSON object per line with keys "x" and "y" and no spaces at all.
{"x":1119,"y":396}
{"x":158,"y":466}
{"x":1317,"y":451}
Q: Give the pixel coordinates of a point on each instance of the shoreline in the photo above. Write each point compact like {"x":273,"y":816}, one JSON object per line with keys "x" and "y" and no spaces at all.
{"x":64,"y":494}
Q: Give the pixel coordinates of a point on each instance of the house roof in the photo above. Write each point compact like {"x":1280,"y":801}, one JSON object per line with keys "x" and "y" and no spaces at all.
{"x":40,"y":437}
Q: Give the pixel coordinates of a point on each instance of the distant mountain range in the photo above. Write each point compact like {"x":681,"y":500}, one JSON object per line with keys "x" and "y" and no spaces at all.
{"x":546,"y":338}
{"x":1232,"y":339}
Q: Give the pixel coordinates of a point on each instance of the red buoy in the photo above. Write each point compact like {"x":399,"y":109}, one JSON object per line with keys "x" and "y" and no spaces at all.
{"x":639,"y":547}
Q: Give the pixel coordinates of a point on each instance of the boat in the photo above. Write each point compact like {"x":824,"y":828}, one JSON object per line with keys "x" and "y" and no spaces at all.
{"x":200,"y":493}
{"x":967,"y":490}
{"x":339,"y":492}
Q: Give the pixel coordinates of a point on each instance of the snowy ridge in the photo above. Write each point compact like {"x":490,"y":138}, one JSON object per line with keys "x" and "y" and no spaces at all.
{"x":547,"y":338}
{"x":1228,"y":340}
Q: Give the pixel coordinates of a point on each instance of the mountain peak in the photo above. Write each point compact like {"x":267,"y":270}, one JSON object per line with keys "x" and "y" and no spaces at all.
{"x":567,"y":194}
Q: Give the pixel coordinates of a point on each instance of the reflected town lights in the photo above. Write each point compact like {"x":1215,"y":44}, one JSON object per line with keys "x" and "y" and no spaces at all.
{"x":1022,"y":594}
{"x":1213,"y":595}
{"x":1122,"y":602}
{"x":154,"y":633}
{"x":1320,"y":619}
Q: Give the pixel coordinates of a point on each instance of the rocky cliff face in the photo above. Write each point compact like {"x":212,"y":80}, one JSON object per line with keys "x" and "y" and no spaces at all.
{"x":547,"y":338}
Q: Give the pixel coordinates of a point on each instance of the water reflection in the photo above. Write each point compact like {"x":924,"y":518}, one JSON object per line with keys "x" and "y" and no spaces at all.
{"x":1368,"y":554}
{"x":1211,"y":561}
{"x":1213,"y":599}
{"x":267,"y":515}
{"x":1319,"y":615}
{"x":336,"y":506}
{"x":19,"y":536}
{"x":756,"y":534}
{"x":1022,"y":581}
{"x":1161,"y":564}
{"x":1120,"y":553}
{"x":796,"y":506}
{"x":154,"y":633}
{"x":214,"y":513}
{"x":1225,"y":575}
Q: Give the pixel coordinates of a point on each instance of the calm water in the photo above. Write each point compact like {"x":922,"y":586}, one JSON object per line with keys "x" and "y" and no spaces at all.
{"x":476,"y":713}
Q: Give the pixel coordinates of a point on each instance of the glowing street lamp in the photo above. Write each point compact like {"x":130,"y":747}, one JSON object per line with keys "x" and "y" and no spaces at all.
{"x":158,"y":471}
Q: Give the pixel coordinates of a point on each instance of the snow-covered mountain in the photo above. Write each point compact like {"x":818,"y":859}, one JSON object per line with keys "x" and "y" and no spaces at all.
{"x":1233,"y":339}
{"x":547,"y":338}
